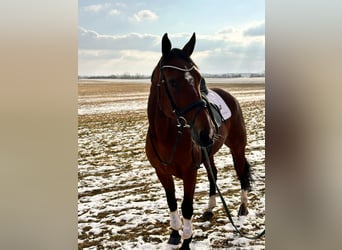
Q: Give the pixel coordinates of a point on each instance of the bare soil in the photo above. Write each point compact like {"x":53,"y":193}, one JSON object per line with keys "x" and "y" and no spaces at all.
{"x":121,"y":204}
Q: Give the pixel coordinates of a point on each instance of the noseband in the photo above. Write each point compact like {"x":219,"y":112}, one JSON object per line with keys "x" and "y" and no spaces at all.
{"x":181,"y":121}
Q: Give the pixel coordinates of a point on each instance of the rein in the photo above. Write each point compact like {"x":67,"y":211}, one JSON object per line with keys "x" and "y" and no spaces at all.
{"x":179,"y":133}
{"x":259,"y":235}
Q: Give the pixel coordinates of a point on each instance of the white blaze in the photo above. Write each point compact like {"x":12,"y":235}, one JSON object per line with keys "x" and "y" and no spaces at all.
{"x":189,"y":78}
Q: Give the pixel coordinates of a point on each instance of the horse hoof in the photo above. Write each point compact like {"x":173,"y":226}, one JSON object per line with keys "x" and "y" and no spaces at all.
{"x":207,"y":215}
{"x":175,"y":238}
{"x":243,"y":210}
{"x":186,"y":244}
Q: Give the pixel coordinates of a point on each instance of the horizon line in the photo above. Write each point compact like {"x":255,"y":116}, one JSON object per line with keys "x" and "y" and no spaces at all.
{"x":139,"y":75}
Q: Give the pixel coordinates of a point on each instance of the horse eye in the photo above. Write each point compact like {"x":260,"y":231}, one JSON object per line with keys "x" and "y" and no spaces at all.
{"x":173,"y":83}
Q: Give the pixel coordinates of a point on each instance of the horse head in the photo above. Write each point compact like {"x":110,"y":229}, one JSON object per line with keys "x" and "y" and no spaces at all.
{"x":180,"y":96}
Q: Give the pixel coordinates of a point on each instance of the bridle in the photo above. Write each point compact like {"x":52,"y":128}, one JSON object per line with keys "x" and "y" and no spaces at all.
{"x":201,"y":104}
{"x":181,"y":120}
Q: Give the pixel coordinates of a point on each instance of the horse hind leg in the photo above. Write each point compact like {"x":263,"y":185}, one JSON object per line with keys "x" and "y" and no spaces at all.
{"x":242,"y":168}
{"x":243,"y":172}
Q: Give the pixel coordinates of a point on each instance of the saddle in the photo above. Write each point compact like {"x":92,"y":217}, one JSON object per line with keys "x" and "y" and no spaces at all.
{"x":218,"y":109}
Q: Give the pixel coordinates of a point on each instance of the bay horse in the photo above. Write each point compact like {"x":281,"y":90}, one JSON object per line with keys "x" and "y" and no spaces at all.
{"x":181,"y":127}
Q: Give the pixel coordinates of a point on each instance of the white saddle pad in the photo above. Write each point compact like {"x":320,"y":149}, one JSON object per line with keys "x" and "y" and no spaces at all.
{"x":219,"y":102}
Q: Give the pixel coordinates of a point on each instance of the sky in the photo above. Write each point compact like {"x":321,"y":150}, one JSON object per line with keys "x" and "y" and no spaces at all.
{"x":124,"y":36}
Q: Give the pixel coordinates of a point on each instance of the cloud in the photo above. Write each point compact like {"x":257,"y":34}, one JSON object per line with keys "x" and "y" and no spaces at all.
{"x":108,"y":62}
{"x":89,"y":39}
{"x":257,"y":30}
{"x":227,"y":30}
{"x":114,"y":12}
{"x":96,"y":8}
{"x":119,"y":4}
{"x":243,"y":34}
{"x":144,"y":15}
{"x":228,"y":50}
{"x":231,"y":58}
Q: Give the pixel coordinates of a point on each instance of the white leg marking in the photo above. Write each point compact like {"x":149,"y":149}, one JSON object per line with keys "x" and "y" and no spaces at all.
{"x":175,"y":220}
{"x":211,"y":203}
{"x":244,"y":199}
{"x":187,"y":229}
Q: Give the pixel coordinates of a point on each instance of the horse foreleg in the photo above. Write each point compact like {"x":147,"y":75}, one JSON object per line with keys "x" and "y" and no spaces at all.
{"x":186,"y":244}
{"x":211,"y":204}
{"x":189,"y":183}
{"x":208,"y":213}
{"x":175,"y":220}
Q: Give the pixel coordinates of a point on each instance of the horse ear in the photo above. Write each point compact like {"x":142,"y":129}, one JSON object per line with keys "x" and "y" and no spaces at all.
{"x":166,"y":45}
{"x":189,"y":47}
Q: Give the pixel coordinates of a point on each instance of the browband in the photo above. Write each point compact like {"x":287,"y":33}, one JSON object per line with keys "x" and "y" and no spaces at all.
{"x":174,"y":67}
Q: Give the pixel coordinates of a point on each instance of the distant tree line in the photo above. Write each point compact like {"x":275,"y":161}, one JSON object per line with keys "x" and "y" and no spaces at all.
{"x":117,"y":76}
{"x":141,"y":76}
{"x":234,"y":75}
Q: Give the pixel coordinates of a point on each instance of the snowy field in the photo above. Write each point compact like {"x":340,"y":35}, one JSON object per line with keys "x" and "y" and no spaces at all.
{"x":122,"y":205}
